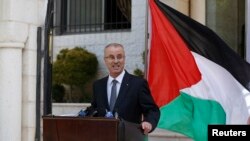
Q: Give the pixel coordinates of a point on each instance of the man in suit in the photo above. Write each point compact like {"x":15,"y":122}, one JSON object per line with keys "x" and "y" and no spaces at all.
{"x":134,"y":102}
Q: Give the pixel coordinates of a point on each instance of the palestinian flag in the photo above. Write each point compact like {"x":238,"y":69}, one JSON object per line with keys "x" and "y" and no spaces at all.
{"x":195,"y":78}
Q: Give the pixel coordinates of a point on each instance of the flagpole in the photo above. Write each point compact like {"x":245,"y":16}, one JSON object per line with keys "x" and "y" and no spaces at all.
{"x":146,"y":42}
{"x":247,"y":27}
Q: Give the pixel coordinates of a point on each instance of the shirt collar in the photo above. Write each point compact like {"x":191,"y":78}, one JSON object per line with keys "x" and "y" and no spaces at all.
{"x":118,"y":78}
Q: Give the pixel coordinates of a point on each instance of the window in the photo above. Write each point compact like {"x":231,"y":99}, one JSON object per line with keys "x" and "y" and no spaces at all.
{"x":82,"y":16}
{"x":227,"y":19}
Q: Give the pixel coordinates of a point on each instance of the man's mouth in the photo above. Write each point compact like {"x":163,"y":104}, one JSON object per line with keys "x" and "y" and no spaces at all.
{"x":116,"y":67}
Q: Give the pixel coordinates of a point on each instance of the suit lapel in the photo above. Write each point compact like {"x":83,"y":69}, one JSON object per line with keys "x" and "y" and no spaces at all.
{"x":123,"y":90}
{"x":104,"y":92}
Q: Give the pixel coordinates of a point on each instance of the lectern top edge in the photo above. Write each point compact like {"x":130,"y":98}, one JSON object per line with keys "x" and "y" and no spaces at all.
{"x":75,"y":117}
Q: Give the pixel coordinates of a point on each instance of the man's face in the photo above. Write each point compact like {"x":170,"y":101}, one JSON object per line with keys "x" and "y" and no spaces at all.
{"x":114,"y":57}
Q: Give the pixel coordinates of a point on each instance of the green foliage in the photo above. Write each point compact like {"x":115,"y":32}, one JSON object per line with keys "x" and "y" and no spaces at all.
{"x":58,"y":92}
{"x":74,"y":67}
{"x":143,"y":57}
{"x":138,"y":72}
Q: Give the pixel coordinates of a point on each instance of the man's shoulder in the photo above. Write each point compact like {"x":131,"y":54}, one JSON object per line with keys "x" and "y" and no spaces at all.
{"x":135,"y":77}
{"x":101,"y":80}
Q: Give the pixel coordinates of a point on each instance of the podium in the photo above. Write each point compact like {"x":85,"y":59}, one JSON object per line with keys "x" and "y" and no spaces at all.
{"x":60,"y":128}
{"x":66,"y":128}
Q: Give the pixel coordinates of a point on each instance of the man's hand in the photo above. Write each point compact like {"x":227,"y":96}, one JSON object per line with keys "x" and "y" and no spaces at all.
{"x":146,"y":126}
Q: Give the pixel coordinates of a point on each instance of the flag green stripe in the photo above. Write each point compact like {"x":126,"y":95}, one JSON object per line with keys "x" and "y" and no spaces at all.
{"x":190,"y":116}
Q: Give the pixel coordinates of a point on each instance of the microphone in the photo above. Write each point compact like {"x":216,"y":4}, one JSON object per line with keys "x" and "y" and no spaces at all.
{"x":116,"y":113}
{"x":97,"y":112}
{"x":110,"y":114}
{"x":82,"y":113}
{"x":89,"y":111}
{"x":94,"y":113}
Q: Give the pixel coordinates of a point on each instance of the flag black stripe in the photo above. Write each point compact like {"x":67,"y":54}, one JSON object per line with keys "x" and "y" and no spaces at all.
{"x":204,"y":41}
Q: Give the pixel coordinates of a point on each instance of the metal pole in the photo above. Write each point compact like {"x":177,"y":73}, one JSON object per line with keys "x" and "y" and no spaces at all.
{"x":47,"y":60}
{"x":146,"y":59}
{"x":247,"y":27}
{"x":38,"y":84}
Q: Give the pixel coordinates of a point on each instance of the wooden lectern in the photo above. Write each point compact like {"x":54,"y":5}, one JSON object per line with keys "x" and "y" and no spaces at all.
{"x":60,"y":128}
{"x":63,"y":128}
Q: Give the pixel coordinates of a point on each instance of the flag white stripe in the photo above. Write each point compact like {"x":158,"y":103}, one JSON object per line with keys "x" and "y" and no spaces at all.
{"x":219,"y":85}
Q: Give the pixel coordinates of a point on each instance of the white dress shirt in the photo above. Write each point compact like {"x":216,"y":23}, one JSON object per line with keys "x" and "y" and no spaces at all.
{"x":118,"y":84}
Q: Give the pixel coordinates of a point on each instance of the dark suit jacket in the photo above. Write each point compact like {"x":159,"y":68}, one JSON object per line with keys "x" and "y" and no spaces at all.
{"x":133,"y":101}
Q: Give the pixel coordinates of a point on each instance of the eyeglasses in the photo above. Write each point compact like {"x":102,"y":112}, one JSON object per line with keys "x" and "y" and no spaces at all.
{"x":113,"y":58}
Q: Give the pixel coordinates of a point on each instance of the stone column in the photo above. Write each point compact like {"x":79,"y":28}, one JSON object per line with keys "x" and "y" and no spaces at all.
{"x":13,"y":37}
{"x":10,"y":81}
{"x":198,"y":10}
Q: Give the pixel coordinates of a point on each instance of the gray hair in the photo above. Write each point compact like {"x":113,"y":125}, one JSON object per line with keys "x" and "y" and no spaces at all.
{"x":114,"y":44}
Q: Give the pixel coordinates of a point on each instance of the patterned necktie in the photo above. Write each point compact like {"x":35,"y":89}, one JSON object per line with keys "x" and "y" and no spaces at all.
{"x":113,"y":95}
